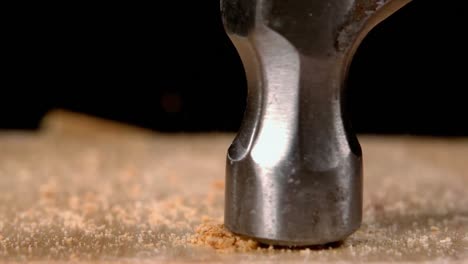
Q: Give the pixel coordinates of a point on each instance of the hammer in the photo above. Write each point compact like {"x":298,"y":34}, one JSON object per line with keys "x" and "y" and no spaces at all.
{"x":294,"y":170}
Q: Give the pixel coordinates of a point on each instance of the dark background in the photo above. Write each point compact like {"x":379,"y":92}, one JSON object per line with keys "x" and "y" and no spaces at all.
{"x":170,"y":67}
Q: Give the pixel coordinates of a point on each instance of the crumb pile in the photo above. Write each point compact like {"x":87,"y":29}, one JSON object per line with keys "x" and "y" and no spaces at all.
{"x":213,"y":234}
{"x":158,"y":197}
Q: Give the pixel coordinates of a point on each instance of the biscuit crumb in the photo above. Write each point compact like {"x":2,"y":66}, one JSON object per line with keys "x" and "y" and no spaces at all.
{"x":447,"y":240}
{"x":215,"y":235}
{"x":218,"y":184}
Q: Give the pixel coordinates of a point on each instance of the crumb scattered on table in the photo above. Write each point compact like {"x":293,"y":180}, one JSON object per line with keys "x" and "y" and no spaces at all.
{"x":160,"y":197}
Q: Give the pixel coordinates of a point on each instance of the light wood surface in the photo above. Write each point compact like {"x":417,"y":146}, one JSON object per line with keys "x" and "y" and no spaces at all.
{"x":91,"y":190}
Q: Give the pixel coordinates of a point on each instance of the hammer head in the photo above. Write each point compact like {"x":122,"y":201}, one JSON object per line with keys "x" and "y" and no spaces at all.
{"x":294,"y":171}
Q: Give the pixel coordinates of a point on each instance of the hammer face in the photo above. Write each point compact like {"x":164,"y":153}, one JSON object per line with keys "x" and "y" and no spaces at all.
{"x":291,"y":205}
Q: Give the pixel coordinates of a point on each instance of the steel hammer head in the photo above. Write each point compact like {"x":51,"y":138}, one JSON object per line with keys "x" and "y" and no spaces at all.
{"x":294,"y":171}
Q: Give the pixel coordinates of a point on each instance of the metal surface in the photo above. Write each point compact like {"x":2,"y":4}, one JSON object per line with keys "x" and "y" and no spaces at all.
{"x":294,"y":171}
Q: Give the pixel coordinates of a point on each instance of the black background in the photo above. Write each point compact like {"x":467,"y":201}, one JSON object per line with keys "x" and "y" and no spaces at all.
{"x":170,"y":67}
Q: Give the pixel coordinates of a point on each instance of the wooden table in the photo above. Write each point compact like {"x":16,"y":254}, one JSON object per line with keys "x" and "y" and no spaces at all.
{"x":91,"y":190}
